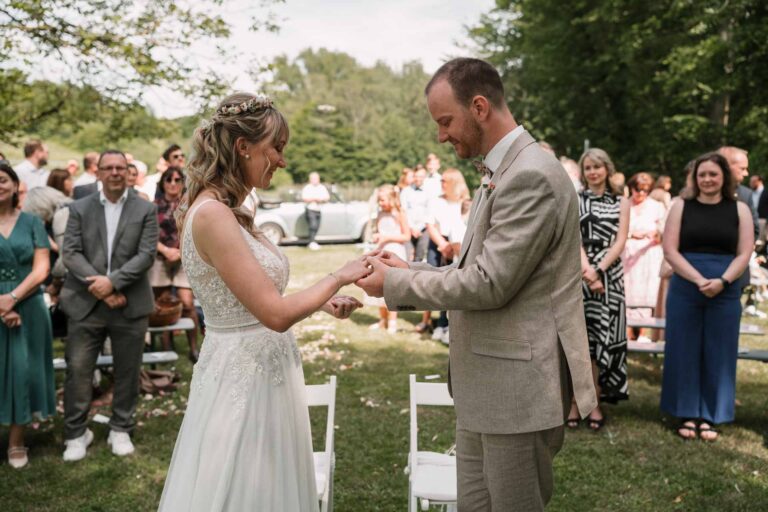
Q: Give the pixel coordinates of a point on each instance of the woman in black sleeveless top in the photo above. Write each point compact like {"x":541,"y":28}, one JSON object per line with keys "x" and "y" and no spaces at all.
{"x":708,"y":241}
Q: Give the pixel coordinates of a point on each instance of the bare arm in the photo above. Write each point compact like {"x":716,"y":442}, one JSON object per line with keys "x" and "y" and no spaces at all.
{"x":614,"y":253}
{"x":671,"y":245}
{"x":40,"y":267}
{"x":405,"y":232}
{"x":215,"y":228}
{"x":746,"y":243}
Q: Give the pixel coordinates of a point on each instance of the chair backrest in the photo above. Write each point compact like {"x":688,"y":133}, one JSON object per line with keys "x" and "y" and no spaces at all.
{"x":325,"y":395}
{"x":423,"y":393}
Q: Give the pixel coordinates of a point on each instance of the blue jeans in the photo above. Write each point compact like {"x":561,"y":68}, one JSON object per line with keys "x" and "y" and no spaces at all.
{"x":702,"y":345}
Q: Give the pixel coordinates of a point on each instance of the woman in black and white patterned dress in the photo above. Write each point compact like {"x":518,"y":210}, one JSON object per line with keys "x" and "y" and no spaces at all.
{"x":604,"y":220}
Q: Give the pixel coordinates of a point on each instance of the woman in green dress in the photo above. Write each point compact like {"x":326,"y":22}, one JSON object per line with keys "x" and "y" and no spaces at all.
{"x":26,"y":366}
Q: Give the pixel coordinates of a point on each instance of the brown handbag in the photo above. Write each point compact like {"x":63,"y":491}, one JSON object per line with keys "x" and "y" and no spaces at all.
{"x":167,"y":311}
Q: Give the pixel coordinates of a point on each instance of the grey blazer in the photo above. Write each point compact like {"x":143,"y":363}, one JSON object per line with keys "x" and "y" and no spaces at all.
{"x":515,"y":300}
{"x":133,"y":253}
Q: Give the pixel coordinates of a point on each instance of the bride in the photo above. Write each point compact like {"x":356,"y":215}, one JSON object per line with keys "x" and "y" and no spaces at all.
{"x":245,"y":441}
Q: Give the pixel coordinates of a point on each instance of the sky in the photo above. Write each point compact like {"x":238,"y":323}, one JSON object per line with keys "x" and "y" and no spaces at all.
{"x":394,"y":31}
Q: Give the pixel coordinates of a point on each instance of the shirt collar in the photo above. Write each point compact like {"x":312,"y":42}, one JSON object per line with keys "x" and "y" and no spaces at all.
{"x":494,"y":157}
{"x":103,"y":199}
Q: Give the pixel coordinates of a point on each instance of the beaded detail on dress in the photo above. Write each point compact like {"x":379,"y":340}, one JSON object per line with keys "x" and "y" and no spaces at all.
{"x":237,"y":346}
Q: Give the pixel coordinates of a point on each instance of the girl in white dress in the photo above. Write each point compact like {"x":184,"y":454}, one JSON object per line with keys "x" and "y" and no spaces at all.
{"x":392,"y":232}
{"x":245,"y":442}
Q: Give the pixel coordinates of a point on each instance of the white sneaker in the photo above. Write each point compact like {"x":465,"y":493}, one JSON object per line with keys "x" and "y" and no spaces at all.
{"x":644,"y":339}
{"x":437,"y":334}
{"x":445,"y":339}
{"x":120,"y":442}
{"x":76,"y":448}
{"x":392,"y":327}
{"x":313,"y":246}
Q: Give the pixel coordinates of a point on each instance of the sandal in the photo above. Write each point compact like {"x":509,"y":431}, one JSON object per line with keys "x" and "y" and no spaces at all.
{"x":573,"y":423}
{"x":706,"y":427}
{"x":596,"y":424}
{"x":687,"y":426}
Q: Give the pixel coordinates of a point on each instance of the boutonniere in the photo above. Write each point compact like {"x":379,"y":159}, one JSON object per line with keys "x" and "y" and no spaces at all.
{"x":487,"y":186}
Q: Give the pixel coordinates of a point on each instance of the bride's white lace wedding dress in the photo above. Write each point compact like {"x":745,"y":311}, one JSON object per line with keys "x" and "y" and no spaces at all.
{"x":245,"y":442}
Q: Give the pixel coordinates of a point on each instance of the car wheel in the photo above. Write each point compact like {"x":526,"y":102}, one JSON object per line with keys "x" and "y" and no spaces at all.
{"x":272,"y":232}
{"x":366,"y":233}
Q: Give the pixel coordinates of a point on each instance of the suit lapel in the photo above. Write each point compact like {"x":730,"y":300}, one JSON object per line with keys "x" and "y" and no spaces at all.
{"x":101,"y":222}
{"x":523,"y":140}
{"x":124,"y":213}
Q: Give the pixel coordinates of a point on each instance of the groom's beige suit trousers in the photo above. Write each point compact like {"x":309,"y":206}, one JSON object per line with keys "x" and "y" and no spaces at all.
{"x":518,"y":339}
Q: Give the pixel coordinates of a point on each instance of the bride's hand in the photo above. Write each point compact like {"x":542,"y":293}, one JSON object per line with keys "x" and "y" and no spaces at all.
{"x":342,"y":306}
{"x":352,"y":271}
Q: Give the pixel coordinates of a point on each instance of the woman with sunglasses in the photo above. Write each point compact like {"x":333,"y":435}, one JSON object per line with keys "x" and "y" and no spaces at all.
{"x":167,"y":273}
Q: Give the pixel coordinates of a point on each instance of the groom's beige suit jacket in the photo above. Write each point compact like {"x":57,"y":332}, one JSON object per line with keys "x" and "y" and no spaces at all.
{"x":515,"y":300}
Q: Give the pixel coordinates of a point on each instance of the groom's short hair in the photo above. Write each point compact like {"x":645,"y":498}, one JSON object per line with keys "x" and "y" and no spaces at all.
{"x":469,"y":78}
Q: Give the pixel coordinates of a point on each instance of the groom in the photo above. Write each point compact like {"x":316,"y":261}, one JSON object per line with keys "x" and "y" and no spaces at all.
{"x":518,"y":342}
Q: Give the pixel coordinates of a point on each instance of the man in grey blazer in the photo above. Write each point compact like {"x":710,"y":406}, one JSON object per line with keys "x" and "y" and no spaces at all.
{"x":109,"y":246}
{"x":518,"y":341}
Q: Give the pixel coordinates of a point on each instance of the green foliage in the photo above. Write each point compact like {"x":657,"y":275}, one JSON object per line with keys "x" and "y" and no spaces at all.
{"x":115,"y":47}
{"x":653,"y":83}
{"x":353,"y":123}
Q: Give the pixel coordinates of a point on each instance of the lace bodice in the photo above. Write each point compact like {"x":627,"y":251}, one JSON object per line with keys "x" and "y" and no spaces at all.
{"x":237,"y":346}
{"x":221,"y":308}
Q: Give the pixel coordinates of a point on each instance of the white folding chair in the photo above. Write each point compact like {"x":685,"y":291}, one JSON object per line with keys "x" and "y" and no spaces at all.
{"x":431,"y":475}
{"x":325,"y":461}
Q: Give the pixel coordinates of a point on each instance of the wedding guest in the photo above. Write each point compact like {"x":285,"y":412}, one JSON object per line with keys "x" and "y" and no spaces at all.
{"x":443,"y":217}
{"x":643,"y":254}
{"x":131,"y":179}
{"x":43,"y":202}
{"x":314,"y":195}
{"x":432,"y":183}
{"x":61,"y":180}
{"x":90,"y":169}
{"x":31,"y":170}
{"x":708,"y":241}
{"x":405,"y":180}
{"x":661,"y":189}
{"x":174,"y":156}
{"x":27,"y":390}
{"x":109,"y":246}
{"x":167,"y":273}
{"x":391,"y":234}
{"x":738,"y":162}
{"x":22,"y":195}
{"x":72,"y":168}
{"x":604,"y":224}
{"x":415,"y":202}
{"x":574,"y":171}
{"x":619,"y":183}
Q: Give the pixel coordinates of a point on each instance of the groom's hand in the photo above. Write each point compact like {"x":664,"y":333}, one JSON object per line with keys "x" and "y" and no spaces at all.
{"x":389,"y":259}
{"x":373,"y":284}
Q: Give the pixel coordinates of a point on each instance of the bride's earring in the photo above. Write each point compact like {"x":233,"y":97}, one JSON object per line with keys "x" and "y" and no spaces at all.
{"x":247,"y":157}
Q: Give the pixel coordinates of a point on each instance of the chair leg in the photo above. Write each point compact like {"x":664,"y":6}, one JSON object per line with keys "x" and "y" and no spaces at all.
{"x":411,"y":498}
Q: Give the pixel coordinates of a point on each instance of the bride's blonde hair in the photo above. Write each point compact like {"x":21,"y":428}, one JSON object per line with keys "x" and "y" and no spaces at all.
{"x":215,"y":165}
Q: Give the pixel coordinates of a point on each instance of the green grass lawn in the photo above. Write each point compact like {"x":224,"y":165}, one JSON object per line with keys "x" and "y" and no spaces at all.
{"x":634,"y":464}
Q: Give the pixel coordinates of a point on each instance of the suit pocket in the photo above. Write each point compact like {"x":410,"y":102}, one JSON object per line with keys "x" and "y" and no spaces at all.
{"x":504,"y":348}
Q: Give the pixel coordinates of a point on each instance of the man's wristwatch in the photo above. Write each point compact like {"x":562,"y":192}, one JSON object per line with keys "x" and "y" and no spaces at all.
{"x":725,"y":281}
{"x":14,"y":297}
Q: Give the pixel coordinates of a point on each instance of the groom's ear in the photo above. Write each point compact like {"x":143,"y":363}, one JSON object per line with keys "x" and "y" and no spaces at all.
{"x":480,"y":108}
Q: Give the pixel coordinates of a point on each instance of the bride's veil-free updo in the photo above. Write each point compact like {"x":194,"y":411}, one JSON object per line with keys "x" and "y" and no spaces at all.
{"x":215,"y":165}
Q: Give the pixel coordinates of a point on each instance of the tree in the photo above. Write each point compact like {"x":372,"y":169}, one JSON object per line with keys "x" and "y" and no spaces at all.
{"x":119,"y":48}
{"x":351,"y":122}
{"x":653,"y":83}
